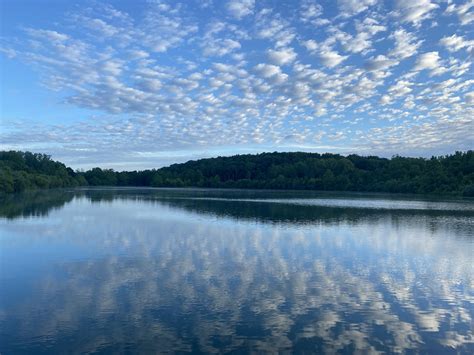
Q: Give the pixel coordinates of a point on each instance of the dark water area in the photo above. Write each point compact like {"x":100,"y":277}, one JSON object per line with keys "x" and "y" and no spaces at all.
{"x":220,"y":271}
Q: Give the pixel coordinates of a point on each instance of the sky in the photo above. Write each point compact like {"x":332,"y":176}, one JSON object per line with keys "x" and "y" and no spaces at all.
{"x":143,"y":84}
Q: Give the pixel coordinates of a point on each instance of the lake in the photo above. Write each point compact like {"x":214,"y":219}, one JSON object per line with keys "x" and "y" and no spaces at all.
{"x":170,"y":270}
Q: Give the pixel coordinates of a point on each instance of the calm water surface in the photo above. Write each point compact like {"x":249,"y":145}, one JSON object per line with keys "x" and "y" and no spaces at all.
{"x":150,"y":270}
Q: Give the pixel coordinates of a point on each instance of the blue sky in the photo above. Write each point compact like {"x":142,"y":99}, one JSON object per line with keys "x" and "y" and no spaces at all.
{"x":139,"y":84}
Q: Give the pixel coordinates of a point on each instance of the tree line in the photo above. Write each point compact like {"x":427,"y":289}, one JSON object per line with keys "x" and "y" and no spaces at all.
{"x":21,"y":171}
{"x":449,"y":174}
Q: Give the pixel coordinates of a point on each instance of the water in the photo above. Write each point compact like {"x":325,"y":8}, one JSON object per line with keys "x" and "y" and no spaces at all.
{"x":156,"y":270}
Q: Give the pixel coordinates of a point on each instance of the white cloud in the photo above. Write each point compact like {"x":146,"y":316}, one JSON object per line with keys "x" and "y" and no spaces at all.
{"x":220,"y":48}
{"x":469,"y":98}
{"x":9,"y":52}
{"x":359,"y":43}
{"x":101,"y":27}
{"x":429,"y":61}
{"x":163,"y":28}
{"x":188,"y":83}
{"x":272,"y":73}
{"x":331,"y":58}
{"x":321,"y":22}
{"x":138,"y":54}
{"x":274,"y":28}
{"x":385,"y":100}
{"x":48,"y":35}
{"x":282,"y":57}
{"x":219,"y":39}
{"x":380,"y":62}
{"x":240,"y":8}
{"x":370,"y":25}
{"x":405,"y":44}
{"x":267,"y":70}
{"x":455,"y":43}
{"x":311,"y":45}
{"x":310,"y":11}
{"x":400,"y":88}
{"x":354,"y":7}
{"x":464,"y":11}
{"x":414,"y":11}
{"x":113,"y":67}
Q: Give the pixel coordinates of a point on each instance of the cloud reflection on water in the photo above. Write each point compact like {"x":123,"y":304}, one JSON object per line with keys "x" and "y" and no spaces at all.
{"x":130,"y":274}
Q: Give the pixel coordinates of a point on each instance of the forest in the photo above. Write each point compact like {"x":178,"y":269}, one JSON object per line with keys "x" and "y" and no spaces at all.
{"x":21,"y":171}
{"x":449,"y":174}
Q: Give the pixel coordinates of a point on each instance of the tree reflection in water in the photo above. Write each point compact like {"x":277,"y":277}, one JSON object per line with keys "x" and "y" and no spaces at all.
{"x":117,"y":271}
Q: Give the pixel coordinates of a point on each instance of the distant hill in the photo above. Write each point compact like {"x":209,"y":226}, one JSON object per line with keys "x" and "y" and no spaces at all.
{"x":450,"y":174}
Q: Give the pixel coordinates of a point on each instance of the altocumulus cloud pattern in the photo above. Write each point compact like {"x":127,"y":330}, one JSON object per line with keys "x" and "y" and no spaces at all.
{"x":154,"y":81}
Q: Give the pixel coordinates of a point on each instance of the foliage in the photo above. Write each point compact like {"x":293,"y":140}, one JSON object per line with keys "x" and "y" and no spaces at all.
{"x":20,"y":171}
{"x":450,"y":174}
{"x":33,"y":203}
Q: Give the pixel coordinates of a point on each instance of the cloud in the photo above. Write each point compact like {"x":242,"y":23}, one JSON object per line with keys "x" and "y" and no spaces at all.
{"x":331,"y":58}
{"x":429,"y":61}
{"x":164,"y":27}
{"x":353,"y":7}
{"x":311,"y":45}
{"x":400,"y":88}
{"x":385,"y":100}
{"x":101,"y":27}
{"x":464,"y":11}
{"x":282,"y":57}
{"x":274,"y":27}
{"x":455,"y":43}
{"x":310,"y":11}
{"x":406,"y":44}
{"x":267,"y":70}
{"x":220,"y":39}
{"x":48,"y":35}
{"x":272,"y":72}
{"x":380,"y":62}
{"x":370,"y":25}
{"x":220,"y":48}
{"x":138,"y":54}
{"x":469,"y":98}
{"x":305,"y":269}
{"x":359,"y":43}
{"x":240,"y":8}
{"x":414,"y":11}
{"x":174,"y":79}
{"x":425,"y":135}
